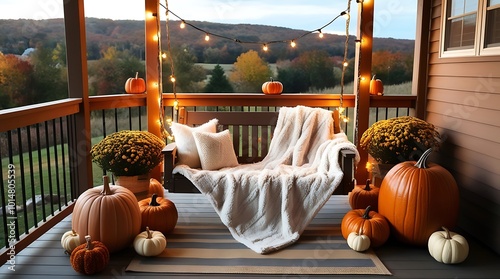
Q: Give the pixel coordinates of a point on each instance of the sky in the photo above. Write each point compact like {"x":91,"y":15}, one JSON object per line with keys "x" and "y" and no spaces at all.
{"x":393,"y":18}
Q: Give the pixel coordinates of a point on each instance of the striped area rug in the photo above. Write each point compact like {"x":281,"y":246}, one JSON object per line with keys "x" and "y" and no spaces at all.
{"x":201,"y":244}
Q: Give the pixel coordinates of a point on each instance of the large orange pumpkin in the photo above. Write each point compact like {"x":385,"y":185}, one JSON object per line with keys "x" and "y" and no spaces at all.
{"x":158,"y":214}
{"x":418,"y":199}
{"x":135,"y":85}
{"x":371,"y":223}
{"x":109,"y":214}
{"x":272,"y":87}
{"x":362,"y":196}
{"x":376,"y":86}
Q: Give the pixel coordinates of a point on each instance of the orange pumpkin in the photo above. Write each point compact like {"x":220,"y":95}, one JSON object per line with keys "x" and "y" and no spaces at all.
{"x":418,"y":199}
{"x":135,"y":85}
{"x":155,"y":187}
{"x":158,"y":214}
{"x":272,"y":87}
{"x":363,"y":196}
{"x":90,"y":257}
{"x":371,"y":223}
{"x":376,"y":86}
{"x":109,"y":214}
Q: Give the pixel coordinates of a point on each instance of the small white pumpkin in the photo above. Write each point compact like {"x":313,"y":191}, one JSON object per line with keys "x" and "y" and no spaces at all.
{"x":70,"y":240}
{"x":358,"y":241}
{"x":150,"y":243}
{"x":448,"y":247}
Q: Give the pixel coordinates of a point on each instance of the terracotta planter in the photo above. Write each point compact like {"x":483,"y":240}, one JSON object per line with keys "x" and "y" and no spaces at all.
{"x":138,"y":184}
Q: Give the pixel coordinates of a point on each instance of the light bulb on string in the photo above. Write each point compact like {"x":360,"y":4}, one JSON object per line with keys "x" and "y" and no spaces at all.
{"x":183,"y":24}
{"x":320,"y":34}
{"x":264,"y":47}
{"x":164,"y":55}
{"x":345,"y":64}
{"x":207,"y":37}
{"x":292,"y":43}
{"x":172,"y":79}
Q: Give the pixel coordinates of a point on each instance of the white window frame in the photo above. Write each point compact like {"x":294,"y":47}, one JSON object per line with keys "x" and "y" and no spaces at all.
{"x":479,"y":49}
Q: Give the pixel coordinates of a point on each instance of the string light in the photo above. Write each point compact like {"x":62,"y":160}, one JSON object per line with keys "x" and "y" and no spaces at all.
{"x":341,"y":109}
{"x":265,"y":48}
{"x":293,"y":42}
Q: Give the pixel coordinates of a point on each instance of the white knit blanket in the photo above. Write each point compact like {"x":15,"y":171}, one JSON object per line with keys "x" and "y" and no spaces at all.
{"x":267,"y":205}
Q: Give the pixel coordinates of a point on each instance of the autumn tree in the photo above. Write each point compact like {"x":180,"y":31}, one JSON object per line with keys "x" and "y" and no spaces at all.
{"x":312,"y":70}
{"x":16,"y":81}
{"x":189,"y":76}
{"x":218,"y":82}
{"x":392,"y":67}
{"x":250,"y":72}
{"x":50,"y":77}
{"x":109,"y":74}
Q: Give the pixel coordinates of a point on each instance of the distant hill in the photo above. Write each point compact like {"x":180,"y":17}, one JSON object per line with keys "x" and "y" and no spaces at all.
{"x":18,"y":35}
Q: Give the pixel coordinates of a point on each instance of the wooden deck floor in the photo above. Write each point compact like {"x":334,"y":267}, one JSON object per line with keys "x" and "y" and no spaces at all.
{"x":46,"y":259}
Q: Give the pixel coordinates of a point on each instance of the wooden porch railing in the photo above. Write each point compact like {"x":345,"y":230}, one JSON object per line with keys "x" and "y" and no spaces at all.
{"x":113,"y":113}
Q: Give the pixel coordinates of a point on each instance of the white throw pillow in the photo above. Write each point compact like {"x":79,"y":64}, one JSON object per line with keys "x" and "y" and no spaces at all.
{"x":215,"y":149}
{"x":186,"y":146}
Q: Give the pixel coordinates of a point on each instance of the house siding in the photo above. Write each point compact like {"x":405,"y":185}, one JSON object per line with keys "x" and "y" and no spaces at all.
{"x":463,"y":102}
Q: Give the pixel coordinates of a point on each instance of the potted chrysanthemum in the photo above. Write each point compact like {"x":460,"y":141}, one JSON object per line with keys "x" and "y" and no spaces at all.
{"x":398,"y":139}
{"x":130,"y":156}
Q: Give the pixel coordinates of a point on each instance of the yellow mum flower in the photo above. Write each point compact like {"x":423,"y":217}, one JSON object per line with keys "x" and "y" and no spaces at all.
{"x":127,"y":153}
{"x":399,"y":139}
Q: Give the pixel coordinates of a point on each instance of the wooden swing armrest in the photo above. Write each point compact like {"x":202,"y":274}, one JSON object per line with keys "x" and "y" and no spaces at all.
{"x":169,"y":159}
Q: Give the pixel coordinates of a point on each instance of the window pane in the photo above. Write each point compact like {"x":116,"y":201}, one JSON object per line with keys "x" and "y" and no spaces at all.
{"x":492,"y":32}
{"x":460,"y":7}
{"x":470,"y":6}
{"x":493,"y":2}
{"x":461,"y":32}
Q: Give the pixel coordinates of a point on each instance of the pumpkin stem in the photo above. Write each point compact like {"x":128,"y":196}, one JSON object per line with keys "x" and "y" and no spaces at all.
{"x":373,"y":78}
{"x":73,"y":233}
{"x":447,"y":232}
{"x":105,"y":187}
{"x":422,"y":161}
{"x":153,"y":201}
{"x":366,"y":215}
{"x":136,"y":75}
{"x":89,"y":243}
{"x":272,"y":79}
{"x":367,"y":186}
{"x":149,"y":233}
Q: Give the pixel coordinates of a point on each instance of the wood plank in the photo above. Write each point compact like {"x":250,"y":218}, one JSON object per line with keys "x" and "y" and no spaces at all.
{"x":465,"y":140}
{"x":474,"y":69}
{"x":484,"y":100}
{"x":47,"y":260}
{"x":484,"y":84}
{"x":469,"y":120}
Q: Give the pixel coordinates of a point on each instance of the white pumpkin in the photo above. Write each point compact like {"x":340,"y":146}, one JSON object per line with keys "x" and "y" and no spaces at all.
{"x":448,"y":247}
{"x":150,"y":243}
{"x":70,"y":240}
{"x":358,"y":241}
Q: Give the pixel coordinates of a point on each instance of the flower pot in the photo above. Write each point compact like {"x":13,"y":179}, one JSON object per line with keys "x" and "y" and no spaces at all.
{"x":138,"y":184}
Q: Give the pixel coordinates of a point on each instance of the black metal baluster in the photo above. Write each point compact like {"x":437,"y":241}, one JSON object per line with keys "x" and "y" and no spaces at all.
{"x":40,"y":170}
{"x":56,"y":163}
{"x":20,"y":155}
{"x":32,"y":176}
{"x":49,"y":165}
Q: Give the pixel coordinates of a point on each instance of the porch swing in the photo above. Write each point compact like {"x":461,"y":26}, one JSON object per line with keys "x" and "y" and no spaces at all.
{"x":267,"y":174}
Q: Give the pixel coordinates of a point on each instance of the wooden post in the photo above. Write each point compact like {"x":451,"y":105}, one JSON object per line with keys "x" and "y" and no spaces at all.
{"x":76,"y":57}
{"x":421,"y":58}
{"x":153,"y":71}
{"x":362,"y":70}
